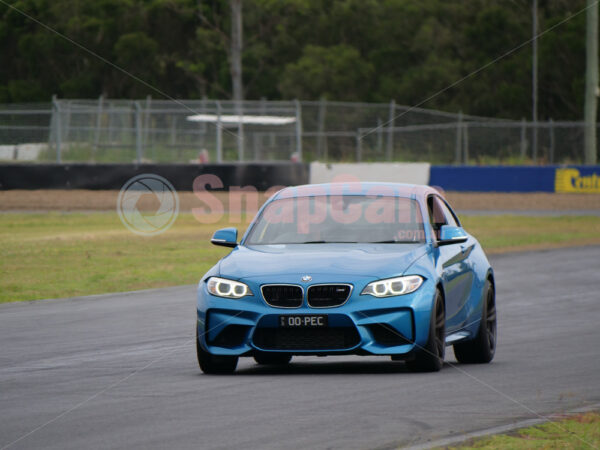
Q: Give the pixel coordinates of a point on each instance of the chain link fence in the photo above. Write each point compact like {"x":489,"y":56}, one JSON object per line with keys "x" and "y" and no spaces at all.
{"x":478,"y":143}
{"x":191,"y":131}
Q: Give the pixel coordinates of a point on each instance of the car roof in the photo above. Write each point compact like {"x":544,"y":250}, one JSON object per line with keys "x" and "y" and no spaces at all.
{"x":357,"y":188}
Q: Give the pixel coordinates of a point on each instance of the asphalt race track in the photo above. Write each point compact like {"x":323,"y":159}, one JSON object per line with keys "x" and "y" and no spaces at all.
{"x":119,"y":371}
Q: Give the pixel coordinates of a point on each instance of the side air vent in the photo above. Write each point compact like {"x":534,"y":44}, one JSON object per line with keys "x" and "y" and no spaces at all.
{"x":384,"y":334}
{"x":231,"y":336}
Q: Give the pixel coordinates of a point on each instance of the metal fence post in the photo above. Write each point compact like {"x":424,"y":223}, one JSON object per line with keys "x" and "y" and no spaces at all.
{"x":390,"y":136}
{"x":255,"y":144}
{"x":239,"y":106}
{"x":98,"y":125}
{"x":551,"y":131}
{"x":173,"y":135}
{"x":147,"y":120}
{"x":219,"y":132}
{"x":379,"y":135}
{"x":263,"y":106}
{"x":459,"y":132}
{"x":358,"y":146}
{"x":111,"y":119}
{"x":321,"y":125}
{"x":52,"y":128}
{"x":272,"y":141}
{"x":257,"y":136}
{"x":298,"y":130}
{"x":138,"y":131}
{"x":67,"y":124}
{"x":57,"y":129}
{"x":534,"y":141}
{"x":466,"y":143}
{"x":523,"y":139}
{"x":202,"y":126}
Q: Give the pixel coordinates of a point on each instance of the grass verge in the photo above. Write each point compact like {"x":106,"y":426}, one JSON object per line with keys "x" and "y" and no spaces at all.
{"x":501,"y":234}
{"x":578,"y":432}
{"x":63,"y":255}
{"x":51,"y":255}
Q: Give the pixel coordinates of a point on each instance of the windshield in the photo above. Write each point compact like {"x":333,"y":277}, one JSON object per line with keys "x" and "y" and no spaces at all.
{"x":337,"y":219}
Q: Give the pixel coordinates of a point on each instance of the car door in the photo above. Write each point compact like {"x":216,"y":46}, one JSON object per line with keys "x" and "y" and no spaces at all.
{"x":452,"y":263}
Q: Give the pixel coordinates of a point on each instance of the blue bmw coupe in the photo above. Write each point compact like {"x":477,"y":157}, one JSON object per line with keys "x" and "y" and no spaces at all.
{"x":348,"y":268}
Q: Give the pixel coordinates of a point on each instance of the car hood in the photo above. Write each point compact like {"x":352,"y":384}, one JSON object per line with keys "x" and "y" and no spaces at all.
{"x":371,"y":260}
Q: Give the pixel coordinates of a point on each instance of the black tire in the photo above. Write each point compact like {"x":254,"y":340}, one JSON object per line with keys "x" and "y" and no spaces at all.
{"x":214,"y":364}
{"x":276,"y":359}
{"x":481,"y":350}
{"x":430,"y":358}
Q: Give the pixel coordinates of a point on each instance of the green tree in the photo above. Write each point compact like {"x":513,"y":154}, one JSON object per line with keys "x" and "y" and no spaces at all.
{"x":337,"y":72}
{"x":367,"y":50}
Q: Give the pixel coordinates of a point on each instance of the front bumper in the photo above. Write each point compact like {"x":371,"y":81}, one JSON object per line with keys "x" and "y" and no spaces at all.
{"x":362,"y":325}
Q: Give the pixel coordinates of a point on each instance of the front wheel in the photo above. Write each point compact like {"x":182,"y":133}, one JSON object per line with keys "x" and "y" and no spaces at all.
{"x":481,"y":349}
{"x":214,"y":364}
{"x":430,"y":358}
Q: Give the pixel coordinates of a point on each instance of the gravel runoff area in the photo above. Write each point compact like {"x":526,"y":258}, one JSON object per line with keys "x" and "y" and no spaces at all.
{"x":88,"y":200}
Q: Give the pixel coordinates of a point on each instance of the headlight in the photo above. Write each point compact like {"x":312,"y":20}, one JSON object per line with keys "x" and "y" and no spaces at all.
{"x":222,"y":287}
{"x":393,"y":286}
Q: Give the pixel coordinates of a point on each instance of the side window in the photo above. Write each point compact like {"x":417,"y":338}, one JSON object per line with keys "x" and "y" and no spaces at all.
{"x":436,"y":215}
{"x":448,"y":214}
{"x":439,"y":215}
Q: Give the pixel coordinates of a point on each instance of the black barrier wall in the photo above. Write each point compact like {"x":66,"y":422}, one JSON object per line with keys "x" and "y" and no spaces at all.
{"x":114,"y":176}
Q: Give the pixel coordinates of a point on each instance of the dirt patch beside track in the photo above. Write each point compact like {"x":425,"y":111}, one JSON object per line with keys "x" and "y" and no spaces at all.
{"x":491,"y":201}
{"x":87,"y":200}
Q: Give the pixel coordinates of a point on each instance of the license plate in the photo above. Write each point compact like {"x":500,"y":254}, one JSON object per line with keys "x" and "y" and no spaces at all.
{"x":303,"y":321}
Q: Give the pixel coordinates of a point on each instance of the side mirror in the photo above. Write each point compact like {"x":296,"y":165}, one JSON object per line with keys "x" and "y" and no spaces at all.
{"x":452,"y":235}
{"x":227,"y":237}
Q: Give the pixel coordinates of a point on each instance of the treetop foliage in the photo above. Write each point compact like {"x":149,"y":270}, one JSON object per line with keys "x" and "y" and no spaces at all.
{"x":355,"y":50}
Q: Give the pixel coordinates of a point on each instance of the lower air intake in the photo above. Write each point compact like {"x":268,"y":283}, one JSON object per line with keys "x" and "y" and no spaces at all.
{"x":306,"y":339}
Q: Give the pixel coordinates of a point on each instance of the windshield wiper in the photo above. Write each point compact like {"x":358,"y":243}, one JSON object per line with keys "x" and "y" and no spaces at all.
{"x":355,"y":242}
{"x":329,"y":242}
{"x":391,"y":241}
